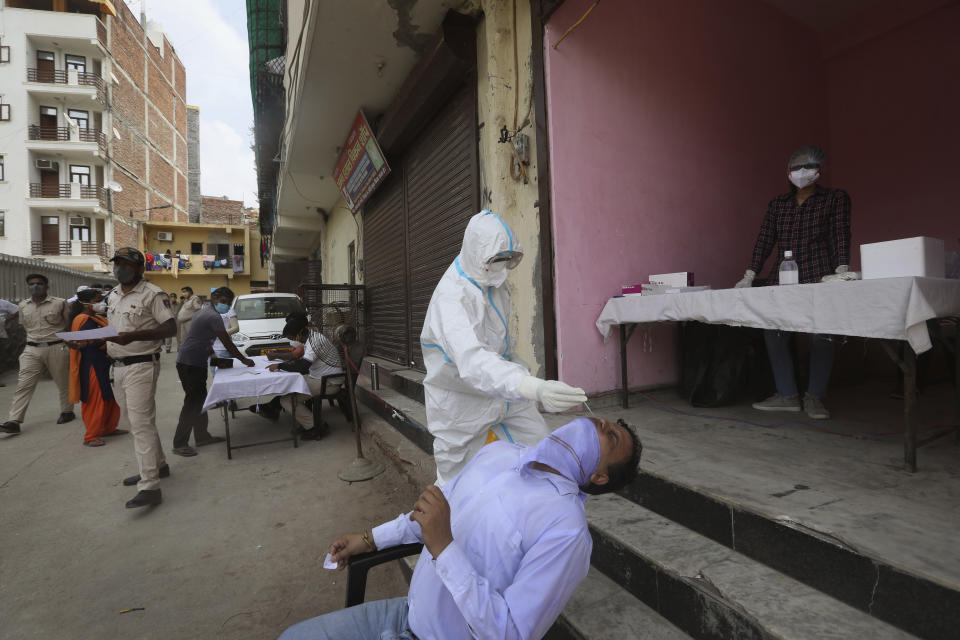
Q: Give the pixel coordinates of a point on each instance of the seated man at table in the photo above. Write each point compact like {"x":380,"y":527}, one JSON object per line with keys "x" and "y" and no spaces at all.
{"x":205,"y":327}
{"x":506,"y":541}
{"x":314,"y":357}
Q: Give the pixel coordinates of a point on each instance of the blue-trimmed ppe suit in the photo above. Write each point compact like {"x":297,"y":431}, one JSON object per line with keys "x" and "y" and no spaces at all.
{"x":471,"y":383}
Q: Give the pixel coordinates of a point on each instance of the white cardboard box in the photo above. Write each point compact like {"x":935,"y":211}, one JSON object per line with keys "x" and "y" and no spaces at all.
{"x":920,"y":256}
{"x":681,"y":279}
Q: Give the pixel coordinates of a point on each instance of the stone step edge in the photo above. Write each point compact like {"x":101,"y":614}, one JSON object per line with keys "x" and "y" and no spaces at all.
{"x":867,"y":582}
{"x":736,"y":606}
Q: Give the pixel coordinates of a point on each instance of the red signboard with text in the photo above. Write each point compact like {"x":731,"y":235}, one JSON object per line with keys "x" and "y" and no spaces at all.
{"x":361,"y":166}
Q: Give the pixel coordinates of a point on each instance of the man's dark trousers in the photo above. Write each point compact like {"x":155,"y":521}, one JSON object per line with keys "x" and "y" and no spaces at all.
{"x":192,"y":417}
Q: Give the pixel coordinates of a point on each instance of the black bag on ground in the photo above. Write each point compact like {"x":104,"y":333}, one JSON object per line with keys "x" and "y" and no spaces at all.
{"x":722,"y":365}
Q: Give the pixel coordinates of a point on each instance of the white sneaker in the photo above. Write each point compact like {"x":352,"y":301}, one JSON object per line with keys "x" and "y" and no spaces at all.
{"x":777,"y":402}
{"x":814,"y":407}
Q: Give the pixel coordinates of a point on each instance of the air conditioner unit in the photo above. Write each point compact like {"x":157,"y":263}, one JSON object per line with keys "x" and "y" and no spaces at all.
{"x":78,"y":222}
{"x":47,"y":164}
{"x":165,"y":236}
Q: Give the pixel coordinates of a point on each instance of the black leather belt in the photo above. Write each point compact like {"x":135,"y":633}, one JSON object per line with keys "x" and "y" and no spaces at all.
{"x":150,"y":357}
{"x":44,"y":344}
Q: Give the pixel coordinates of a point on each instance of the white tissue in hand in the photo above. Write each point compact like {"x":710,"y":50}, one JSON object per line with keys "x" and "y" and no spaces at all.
{"x":329,"y":562}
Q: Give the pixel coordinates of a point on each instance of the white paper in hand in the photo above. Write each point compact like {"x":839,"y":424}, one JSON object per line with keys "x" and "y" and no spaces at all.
{"x":329,"y":562}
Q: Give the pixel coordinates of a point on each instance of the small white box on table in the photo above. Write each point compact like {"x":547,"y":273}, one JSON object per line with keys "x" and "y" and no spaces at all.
{"x":920,"y":257}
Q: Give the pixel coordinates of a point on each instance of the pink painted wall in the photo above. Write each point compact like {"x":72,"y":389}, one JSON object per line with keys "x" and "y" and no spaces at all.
{"x":894,"y":118}
{"x":671,"y":122}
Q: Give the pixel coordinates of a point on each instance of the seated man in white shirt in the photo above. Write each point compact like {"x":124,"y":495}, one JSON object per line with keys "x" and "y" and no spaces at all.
{"x":506,"y":541}
{"x":312,"y":356}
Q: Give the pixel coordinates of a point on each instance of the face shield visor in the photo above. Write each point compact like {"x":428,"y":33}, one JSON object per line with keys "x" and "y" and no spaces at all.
{"x":510,"y":259}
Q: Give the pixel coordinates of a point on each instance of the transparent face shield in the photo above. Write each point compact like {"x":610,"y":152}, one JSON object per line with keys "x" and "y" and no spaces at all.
{"x":511,"y":258}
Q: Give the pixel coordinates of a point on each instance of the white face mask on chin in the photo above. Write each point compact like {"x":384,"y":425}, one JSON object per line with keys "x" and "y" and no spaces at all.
{"x":804,"y":177}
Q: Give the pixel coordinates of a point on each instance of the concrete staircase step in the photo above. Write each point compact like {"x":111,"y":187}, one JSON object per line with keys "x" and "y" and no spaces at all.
{"x":710,"y":591}
{"x":601,"y":609}
{"x":821,"y":560}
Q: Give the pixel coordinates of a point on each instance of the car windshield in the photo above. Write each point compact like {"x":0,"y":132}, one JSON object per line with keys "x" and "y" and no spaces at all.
{"x":263,"y":308}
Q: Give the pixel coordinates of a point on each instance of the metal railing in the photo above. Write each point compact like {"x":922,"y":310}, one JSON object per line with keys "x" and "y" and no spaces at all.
{"x":62,"y":76}
{"x":41,"y":248}
{"x":65,"y":248}
{"x":58,"y":134}
{"x":87,"y":192}
{"x":62,"y":134}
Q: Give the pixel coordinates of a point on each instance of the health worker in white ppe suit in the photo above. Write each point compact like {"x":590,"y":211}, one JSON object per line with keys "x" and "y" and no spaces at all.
{"x":475,"y":393}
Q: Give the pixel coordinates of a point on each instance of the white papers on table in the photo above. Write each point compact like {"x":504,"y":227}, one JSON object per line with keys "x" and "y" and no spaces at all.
{"x":99,"y":333}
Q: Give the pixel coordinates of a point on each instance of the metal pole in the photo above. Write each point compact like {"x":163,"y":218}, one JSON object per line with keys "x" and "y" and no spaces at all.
{"x":909,"y":408}
{"x":625,"y":391}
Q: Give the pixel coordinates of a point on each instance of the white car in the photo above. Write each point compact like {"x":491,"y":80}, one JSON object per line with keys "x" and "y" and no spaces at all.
{"x":261,"y":317}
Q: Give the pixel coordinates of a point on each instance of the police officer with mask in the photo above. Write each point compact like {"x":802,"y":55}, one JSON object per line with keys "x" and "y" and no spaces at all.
{"x":42,"y":316}
{"x":141,"y":313}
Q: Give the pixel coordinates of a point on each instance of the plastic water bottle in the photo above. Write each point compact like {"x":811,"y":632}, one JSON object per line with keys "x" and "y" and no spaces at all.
{"x":789,"y":273}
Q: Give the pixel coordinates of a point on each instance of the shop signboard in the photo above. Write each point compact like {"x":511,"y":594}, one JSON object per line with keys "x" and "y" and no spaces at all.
{"x":361,"y":166}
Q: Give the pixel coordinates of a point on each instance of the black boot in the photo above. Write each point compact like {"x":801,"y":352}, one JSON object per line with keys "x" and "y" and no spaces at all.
{"x":10,"y":427}
{"x":132,"y":480}
{"x":65,"y":417}
{"x":145,"y":498}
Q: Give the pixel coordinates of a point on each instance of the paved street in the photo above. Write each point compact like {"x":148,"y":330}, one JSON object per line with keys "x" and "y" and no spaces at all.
{"x":234,"y":551}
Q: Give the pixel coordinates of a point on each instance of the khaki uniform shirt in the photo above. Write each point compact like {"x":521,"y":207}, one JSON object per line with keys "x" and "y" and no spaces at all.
{"x":145,"y":307}
{"x":43,"y":320}
{"x":189,"y":308}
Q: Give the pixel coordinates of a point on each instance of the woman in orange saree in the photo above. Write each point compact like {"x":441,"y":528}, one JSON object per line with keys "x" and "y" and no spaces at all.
{"x":90,"y":372}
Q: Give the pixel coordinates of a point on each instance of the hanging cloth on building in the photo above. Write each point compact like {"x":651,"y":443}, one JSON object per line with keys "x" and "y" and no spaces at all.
{"x":238,"y":264}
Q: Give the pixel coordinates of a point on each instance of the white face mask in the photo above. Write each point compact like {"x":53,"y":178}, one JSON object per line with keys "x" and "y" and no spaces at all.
{"x":495,"y":274}
{"x":100,"y":307}
{"x":295,"y":344}
{"x":804,"y":177}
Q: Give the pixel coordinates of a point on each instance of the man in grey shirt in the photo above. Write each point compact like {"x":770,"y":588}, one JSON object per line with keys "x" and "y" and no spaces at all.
{"x":205,"y":327}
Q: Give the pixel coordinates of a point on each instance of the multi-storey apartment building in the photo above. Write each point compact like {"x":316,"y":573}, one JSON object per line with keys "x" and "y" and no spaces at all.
{"x":92,"y":129}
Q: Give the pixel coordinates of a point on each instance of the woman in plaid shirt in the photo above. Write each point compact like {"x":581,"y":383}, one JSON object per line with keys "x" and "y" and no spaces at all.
{"x":814,"y":223}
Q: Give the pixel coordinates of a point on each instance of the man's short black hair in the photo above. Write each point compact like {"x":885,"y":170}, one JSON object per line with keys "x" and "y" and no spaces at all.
{"x":222,"y":292}
{"x":38,"y":276}
{"x":620,"y":475}
{"x":187,"y":289}
{"x":296,"y":323}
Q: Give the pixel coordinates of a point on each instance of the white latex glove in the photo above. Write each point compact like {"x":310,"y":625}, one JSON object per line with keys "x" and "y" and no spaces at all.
{"x":841,"y":273}
{"x":555,"y":396}
{"x":747,"y":280}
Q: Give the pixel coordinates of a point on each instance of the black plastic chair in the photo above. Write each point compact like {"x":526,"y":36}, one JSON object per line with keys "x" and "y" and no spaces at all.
{"x":361,"y":564}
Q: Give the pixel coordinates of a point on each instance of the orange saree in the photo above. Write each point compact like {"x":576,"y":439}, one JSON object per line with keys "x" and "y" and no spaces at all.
{"x":90,"y":381}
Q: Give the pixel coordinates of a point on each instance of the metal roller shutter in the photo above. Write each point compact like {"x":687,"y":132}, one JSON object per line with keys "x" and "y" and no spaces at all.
{"x":442,"y":195}
{"x":413,"y":227}
{"x":384,"y":271}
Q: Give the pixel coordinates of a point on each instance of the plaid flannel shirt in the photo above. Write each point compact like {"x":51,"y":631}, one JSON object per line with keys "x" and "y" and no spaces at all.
{"x":818,"y":233}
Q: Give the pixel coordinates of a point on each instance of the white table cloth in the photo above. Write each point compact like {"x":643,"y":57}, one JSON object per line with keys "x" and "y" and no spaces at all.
{"x":252,"y":382}
{"x":888,"y":308}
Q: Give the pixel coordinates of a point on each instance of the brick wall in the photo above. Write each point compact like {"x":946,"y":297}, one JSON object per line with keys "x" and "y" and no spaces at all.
{"x":220,"y":211}
{"x":149,"y":113}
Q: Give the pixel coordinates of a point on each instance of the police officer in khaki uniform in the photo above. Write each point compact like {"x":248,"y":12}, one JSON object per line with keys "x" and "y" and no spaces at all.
{"x":140,"y":311}
{"x":42,"y":316}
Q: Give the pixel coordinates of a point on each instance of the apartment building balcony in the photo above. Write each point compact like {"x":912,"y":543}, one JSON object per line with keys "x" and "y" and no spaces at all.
{"x":72,"y":142}
{"x":59,"y":82}
{"x":73,"y":196}
{"x":79,"y":254}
